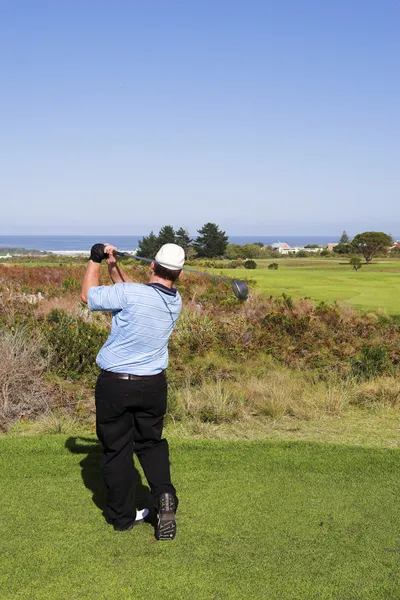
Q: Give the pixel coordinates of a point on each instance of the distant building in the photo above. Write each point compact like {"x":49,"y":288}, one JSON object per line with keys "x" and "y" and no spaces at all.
{"x":6,"y":256}
{"x":281,"y":247}
{"x":331,"y":247}
{"x":284,"y":248}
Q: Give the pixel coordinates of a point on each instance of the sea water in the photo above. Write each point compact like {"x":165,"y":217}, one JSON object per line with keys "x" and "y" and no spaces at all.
{"x":83,"y":243}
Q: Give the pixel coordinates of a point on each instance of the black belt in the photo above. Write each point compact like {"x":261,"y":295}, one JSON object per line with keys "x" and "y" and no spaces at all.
{"x":130,"y":376}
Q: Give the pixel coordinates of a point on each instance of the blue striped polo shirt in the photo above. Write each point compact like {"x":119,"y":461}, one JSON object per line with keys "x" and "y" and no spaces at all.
{"x":143,"y":317}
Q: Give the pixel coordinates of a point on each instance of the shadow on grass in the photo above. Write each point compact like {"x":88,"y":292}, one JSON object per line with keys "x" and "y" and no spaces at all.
{"x":93,"y":481}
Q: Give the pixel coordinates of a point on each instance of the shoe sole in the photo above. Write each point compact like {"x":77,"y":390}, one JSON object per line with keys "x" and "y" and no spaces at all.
{"x":166,"y":525}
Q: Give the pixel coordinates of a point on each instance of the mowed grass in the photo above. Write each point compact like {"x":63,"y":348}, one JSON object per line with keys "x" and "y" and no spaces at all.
{"x":374,"y":287}
{"x":267,"y":520}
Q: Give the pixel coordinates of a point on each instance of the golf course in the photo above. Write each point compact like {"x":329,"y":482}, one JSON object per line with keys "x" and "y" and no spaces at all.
{"x":263,"y":520}
{"x":200,"y":300}
{"x":376,"y":286}
{"x":283,"y":429}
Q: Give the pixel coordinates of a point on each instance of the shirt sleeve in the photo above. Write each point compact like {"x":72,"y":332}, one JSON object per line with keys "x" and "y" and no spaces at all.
{"x":107,"y":297}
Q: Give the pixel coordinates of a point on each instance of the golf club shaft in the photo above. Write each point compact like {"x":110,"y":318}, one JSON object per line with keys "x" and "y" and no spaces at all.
{"x":172,"y":267}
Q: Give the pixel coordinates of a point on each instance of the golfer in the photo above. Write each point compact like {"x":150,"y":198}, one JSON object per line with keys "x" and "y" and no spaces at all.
{"x":131,"y":390}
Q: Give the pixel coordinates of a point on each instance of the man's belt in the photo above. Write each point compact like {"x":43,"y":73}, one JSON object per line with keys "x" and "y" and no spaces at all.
{"x":130,"y":376}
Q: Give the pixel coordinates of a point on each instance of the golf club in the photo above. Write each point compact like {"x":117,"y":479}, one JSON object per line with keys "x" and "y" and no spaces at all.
{"x":239,"y":288}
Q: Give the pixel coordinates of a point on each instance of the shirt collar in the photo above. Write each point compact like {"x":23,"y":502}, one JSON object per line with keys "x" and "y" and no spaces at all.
{"x":163,"y":288}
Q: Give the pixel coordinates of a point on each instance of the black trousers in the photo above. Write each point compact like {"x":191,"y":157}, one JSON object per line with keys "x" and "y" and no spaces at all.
{"x":129,"y":418}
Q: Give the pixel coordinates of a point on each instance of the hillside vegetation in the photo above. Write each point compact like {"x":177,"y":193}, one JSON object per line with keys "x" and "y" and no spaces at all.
{"x":231,"y":362}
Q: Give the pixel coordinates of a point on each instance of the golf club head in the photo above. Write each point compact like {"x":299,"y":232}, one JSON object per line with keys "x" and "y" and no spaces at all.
{"x":240,"y":289}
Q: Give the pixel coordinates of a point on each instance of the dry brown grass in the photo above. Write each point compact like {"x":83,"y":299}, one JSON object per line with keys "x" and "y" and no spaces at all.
{"x":213,"y":402}
{"x":383,"y":392}
{"x":23,"y":392}
{"x":70,"y":304}
{"x":291,"y":393}
{"x":276,"y":394}
{"x":58,"y":422}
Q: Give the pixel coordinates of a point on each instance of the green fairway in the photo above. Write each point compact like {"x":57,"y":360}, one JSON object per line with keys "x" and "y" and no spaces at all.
{"x":267,"y":520}
{"x":375,"y":286}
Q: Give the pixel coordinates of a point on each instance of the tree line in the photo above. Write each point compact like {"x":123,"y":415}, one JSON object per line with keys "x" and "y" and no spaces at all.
{"x":211,"y":242}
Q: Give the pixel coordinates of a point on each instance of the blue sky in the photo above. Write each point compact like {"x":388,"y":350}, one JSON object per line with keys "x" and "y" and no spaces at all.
{"x":264,"y":117}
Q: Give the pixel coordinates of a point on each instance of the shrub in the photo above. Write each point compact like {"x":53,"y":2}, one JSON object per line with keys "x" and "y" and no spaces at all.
{"x":75,"y":344}
{"x":372,"y":361}
{"x":71,"y":284}
{"x":355,"y":262}
{"x":194,"y":333}
{"x":23,"y":391}
{"x":250,"y":264}
{"x":273,"y":266}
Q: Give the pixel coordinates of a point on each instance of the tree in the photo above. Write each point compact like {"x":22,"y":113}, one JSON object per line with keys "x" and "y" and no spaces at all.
{"x":372,"y":242}
{"x":148,"y":246}
{"x":344,"y":238}
{"x":344,"y":249}
{"x":166,"y":235}
{"x":233,"y":251}
{"x":211,"y":242}
{"x":355,"y":262}
{"x":182,"y":239}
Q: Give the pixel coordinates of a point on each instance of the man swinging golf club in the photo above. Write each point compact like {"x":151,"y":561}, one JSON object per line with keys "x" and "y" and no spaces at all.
{"x":131,"y":390}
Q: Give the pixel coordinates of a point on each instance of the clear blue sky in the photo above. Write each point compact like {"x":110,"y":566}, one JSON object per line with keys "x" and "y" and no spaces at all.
{"x":264,"y":117}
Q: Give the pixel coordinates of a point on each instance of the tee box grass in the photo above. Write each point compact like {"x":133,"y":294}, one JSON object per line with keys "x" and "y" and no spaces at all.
{"x":375,"y":286}
{"x":262,"y":520}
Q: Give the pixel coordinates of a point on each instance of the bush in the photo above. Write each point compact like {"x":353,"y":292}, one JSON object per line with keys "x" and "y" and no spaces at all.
{"x":194,"y":333}
{"x":23,"y":391}
{"x":273,"y":266}
{"x":355,"y":262}
{"x":75,"y":344}
{"x":250,"y":264}
{"x":70,"y":284}
{"x":371,"y":362}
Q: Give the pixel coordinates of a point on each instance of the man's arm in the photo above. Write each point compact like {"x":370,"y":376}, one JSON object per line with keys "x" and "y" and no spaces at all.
{"x":117,"y":275}
{"x":90,"y":279}
{"x":92,"y":273}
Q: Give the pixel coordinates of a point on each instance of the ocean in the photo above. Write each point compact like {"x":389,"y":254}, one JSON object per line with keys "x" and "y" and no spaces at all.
{"x":76,"y":243}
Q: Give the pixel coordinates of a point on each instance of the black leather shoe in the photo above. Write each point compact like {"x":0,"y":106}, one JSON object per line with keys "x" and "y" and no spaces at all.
{"x":166,"y":523}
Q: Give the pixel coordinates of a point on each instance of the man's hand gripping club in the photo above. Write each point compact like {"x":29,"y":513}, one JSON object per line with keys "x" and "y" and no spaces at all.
{"x":98,"y":253}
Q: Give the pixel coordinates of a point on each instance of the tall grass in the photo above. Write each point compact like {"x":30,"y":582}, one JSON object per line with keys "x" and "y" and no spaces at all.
{"x":23,"y":391}
{"x":266,"y":358}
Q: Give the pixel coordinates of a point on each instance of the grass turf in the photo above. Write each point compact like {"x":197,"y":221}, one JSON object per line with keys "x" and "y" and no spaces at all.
{"x":268,"y":520}
{"x":375,"y":286}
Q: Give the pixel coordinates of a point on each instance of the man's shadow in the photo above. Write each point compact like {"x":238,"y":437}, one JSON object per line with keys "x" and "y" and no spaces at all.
{"x":92,"y":479}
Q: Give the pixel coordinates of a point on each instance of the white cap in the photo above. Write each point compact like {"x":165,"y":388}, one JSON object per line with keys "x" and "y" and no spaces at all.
{"x":171,"y":256}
